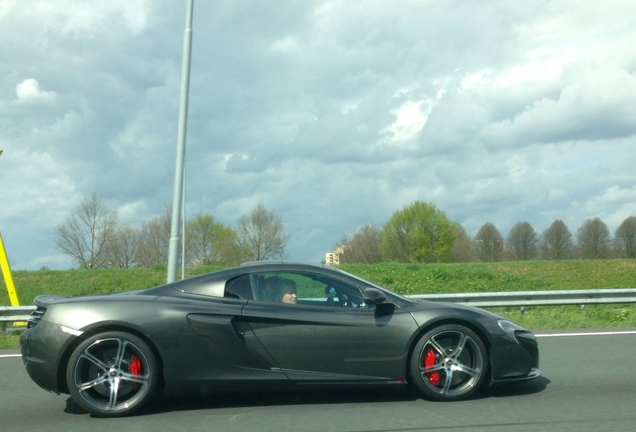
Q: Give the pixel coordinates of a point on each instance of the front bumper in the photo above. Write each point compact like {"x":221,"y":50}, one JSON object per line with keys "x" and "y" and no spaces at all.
{"x":534,"y":373}
{"x":515,"y":358}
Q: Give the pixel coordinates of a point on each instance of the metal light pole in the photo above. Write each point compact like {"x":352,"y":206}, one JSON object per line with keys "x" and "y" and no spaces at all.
{"x":177,"y":201}
{"x":183,"y":226}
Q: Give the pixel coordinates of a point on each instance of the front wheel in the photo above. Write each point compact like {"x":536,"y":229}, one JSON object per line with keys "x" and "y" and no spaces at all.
{"x":112,"y":374}
{"x":449,"y":363}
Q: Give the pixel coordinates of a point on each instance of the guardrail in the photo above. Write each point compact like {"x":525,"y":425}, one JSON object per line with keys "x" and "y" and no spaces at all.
{"x":537,"y":298}
{"x":9,"y":314}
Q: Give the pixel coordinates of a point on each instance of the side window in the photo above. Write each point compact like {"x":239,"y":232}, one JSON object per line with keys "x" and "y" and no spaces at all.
{"x":273,"y":286}
{"x":305,"y":288}
{"x":240,"y":288}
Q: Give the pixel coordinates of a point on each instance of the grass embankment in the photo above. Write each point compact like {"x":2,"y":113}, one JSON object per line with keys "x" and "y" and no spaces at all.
{"x":401,"y":278}
{"x":519,"y":276}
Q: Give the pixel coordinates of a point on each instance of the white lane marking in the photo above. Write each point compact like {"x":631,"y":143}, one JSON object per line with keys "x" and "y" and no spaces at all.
{"x":600,"y":333}
{"x":10,"y":355}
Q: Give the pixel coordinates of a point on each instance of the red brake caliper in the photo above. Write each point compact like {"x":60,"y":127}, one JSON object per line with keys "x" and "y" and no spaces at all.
{"x":135,"y":369}
{"x":429,"y":361}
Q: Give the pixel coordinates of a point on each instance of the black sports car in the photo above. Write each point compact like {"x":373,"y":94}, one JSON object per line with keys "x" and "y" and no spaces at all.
{"x":266,"y":324}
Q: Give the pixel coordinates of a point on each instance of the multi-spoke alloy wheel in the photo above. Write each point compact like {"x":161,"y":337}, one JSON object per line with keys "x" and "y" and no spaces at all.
{"x":112,"y":374}
{"x":449,"y":363}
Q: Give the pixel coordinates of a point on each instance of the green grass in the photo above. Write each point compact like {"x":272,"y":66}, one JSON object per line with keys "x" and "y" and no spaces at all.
{"x":401,"y":278}
{"x":502,"y":276}
{"x":569,"y":317}
{"x":9,"y":341}
{"x":519,"y":276}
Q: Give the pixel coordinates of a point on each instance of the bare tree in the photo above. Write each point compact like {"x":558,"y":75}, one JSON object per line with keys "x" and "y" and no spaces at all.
{"x":489,"y":243}
{"x":556,"y":242}
{"x":593,"y":239}
{"x":625,"y":239}
{"x":155,"y":240}
{"x":461,"y":250}
{"x":123,"y":249}
{"x":363,"y":247}
{"x":261,"y":235}
{"x":523,"y":241}
{"x":86,"y":233}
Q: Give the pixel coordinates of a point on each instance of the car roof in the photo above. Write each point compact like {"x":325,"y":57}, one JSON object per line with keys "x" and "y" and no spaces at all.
{"x":263,"y":263}
{"x":213,"y":284}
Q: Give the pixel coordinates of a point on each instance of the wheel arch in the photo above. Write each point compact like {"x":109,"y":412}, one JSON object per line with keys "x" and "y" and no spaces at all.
{"x":109,"y":327}
{"x":446,"y":321}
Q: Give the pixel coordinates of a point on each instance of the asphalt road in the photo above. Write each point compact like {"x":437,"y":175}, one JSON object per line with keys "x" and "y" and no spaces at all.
{"x":588,"y":384}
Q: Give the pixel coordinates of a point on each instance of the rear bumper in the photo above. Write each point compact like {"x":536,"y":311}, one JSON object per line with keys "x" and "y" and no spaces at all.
{"x":42,"y":347}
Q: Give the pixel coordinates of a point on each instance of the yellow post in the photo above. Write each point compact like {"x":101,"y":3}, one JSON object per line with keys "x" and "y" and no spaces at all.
{"x":6,"y":271}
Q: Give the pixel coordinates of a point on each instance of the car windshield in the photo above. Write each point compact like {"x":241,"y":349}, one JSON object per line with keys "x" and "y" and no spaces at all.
{"x":367,"y":283}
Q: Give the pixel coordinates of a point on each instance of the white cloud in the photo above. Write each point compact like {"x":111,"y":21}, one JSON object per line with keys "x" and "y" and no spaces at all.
{"x":332,"y":113}
{"x":288,"y":44}
{"x":5,"y":8}
{"x":90,"y":19}
{"x":410,"y":118}
{"x":29,"y":91}
{"x":53,"y":262}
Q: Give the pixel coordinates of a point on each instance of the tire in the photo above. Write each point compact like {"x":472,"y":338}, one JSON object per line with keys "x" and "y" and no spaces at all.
{"x":449,"y":363}
{"x":112,"y":374}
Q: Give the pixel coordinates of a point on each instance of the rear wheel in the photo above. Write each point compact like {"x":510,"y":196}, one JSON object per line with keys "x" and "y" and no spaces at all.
{"x":449,"y":363}
{"x":112,"y":374}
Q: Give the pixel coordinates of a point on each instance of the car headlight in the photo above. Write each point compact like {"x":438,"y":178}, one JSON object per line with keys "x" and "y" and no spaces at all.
{"x":514,"y":329}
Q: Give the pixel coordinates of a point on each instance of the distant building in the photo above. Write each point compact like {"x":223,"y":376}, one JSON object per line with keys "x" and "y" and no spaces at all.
{"x":333,"y":258}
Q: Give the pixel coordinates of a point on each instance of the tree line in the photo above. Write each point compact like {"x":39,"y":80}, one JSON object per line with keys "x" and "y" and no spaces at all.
{"x":419,"y":233}
{"x":93,"y":238}
{"x":422,"y":233}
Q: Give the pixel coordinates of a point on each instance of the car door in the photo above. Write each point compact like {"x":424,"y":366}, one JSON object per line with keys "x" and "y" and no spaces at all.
{"x":329,"y":334}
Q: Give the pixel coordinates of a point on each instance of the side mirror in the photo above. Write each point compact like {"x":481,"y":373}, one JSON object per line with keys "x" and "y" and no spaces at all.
{"x":373,"y":296}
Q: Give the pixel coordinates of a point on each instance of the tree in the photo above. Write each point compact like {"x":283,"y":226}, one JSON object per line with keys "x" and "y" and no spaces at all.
{"x":86,"y":233}
{"x":228,"y":251}
{"x":418,"y":233}
{"x":489,"y":243}
{"x":123,"y":249}
{"x":625,"y":238}
{"x":261,"y":235}
{"x":155,"y":239}
{"x":461,"y":251}
{"x":523,"y":241}
{"x":210,"y":242}
{"x":556,"y":243}
{"x":593,"y":239}
{"x":363,"y":247}
{"x":201,"y":238}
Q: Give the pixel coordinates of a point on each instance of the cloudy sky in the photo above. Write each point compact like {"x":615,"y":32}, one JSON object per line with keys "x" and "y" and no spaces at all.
{"x":333,"y":114}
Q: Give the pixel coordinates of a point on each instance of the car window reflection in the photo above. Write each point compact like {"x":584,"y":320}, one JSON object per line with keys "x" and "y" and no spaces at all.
{"x":240,"y":288}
